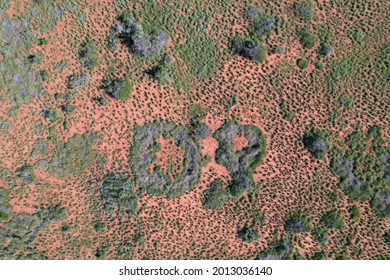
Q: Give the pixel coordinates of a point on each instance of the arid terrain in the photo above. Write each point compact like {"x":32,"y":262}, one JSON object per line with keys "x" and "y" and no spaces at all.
{"x":194,"y":129}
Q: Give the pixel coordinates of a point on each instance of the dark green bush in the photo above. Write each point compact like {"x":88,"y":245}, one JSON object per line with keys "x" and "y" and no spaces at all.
{"x":263,"y":25}
{"x":89,"y":55}
{"x":303,"y":63}
{"x":305,"y":11}
{"x":100,"y":227}
{"x":381,"y":203}
{"x":333,"y":220}
{"x":121,"y":89}
{"x":326,"y":50}
{"x":255,"y":51}
{"x":355,"y":213}
{"x":144,"y":41}
{"x":319,"y":65}
{"x":282,"y":250}
{"x":316,"y":143}
{"x":27,"y":174}
{"x":242,"y":182}
{"x":217,"y":196}
{"x":320,"y":256}
{"x":308,"y":38}
{"x":248,"y":234}
{"x":298,"y":223}
{"x":321,"y":236}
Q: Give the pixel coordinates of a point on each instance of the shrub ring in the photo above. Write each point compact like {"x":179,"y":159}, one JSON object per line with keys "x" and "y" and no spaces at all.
{"x":143,"y":157}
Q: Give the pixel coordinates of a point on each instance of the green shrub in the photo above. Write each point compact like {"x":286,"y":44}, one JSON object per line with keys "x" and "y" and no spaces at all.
{"x":298,"y":223}
{"x":100,"y":227}
{"x":51,"y":115}
{"x":333,"y":220}
{"x":282,"y":250}
{"x":3,"y":217}
{"x":252,"y":50}
{"x":316,"y":143}
{"x":308,"y":38}
{"x":381,"y":203}
{"x":27,"y":174}
{"x":263,"y":25}
{"x":217,"y":196}
{"x":326,"y":50}
{"x":319,"y":65}
{"x":248,"y":234}
{"x":386,"y":237}
{"x":321,"y":236}
{"x":355,"y":213}
{"x":305,"y":11}
{"x":121,"y":89}
{"x":303,"y":63}
{"x":89,"y":55}
{"x":320,"y":256}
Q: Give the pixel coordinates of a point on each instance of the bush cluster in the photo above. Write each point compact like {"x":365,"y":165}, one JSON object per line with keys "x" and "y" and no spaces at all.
{"x":316,"y":143}
{"x":333,"y":220}
{"x":89,"y":55}
{"x":248,"y":234}
{"x":250,"y":49}
{"x":143,"y":157}
{"x":117,"y":192}
{"x":121,"y":89}
{"x":217,"y":196}
{"x":305,"y":11}
{"x":241,"y":164}
{"x":298,"y":223}
{"x":140,"y":40}
{"x":308,"y":38}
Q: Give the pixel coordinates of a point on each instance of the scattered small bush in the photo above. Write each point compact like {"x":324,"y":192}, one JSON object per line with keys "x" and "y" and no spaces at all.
{"x":78,"y":82}
{"x":72,"y":158}
{"x":117,"y":192}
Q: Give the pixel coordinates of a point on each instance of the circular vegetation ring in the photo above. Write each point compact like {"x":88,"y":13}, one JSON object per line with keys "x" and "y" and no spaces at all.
{"x":241,"y":162}
{"x":144,"y":160}
{"x":248,"y":158}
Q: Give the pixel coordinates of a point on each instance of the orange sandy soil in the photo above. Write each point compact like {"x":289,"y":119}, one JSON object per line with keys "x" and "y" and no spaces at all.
{"x":182,"y":228}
